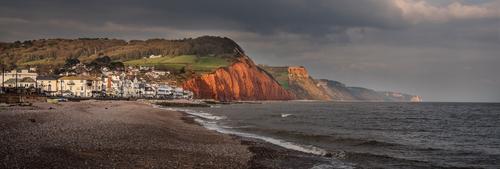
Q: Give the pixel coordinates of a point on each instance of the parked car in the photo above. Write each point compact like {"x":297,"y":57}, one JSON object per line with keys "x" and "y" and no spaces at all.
{"x":164,"y":92}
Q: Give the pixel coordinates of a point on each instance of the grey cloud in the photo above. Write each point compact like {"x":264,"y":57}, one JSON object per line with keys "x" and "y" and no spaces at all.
{"x":366,"y":43}
{"x":263,"y":16}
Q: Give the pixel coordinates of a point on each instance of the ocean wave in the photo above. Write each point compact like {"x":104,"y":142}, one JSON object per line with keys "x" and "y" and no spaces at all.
{"x":209,"y":121}
{"x":339,"y":140}
{"x":377,"y":143}
{"x":285,"y":144}
{"x":195,"y":113}
{"x":214,"y":126}
{"x":334,"y":164}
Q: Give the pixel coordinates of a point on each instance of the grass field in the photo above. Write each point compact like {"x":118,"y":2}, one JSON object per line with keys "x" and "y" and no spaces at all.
{"x":280,"y":74}
{"x":282,"y":78}
{"x":202,"y":63}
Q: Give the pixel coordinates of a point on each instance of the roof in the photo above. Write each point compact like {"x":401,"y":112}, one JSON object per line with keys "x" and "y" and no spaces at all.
{"x":47,"y":78}
{"x":21,"y":71}
{"x":78,"y":78}
{"x":23,"y":80}
{"x":13,"y":81}
{"x":28,"y":80}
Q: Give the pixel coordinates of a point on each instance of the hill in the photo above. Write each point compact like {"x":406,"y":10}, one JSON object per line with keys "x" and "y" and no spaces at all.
{"x":199,"y":64}
{"x":53,"y":52}
{"x":211,"y":67}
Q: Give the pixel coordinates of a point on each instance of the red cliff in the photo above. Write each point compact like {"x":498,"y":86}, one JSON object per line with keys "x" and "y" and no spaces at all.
{"x":243,"y":80}
{"x":297,"y":72}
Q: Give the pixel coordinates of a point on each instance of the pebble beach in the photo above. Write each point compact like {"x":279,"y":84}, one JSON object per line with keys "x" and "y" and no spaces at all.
{"x":111,"y":134}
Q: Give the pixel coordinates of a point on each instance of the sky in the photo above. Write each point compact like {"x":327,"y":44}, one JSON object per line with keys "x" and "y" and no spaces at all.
{"x":442,"y":50}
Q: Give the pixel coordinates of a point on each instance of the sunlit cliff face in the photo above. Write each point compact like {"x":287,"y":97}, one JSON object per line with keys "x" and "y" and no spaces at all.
{"x":297,"y":72}
{"x":240,"y":81}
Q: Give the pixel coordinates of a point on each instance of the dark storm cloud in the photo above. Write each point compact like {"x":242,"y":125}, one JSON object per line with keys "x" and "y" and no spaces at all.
{"x":262,"y":16}
{"x":444,"y":50}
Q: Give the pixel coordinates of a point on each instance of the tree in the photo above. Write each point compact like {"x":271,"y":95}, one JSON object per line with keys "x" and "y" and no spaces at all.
{"x":116,"y":66}
{"x":70,"y":62}
{"x":100,"y":62}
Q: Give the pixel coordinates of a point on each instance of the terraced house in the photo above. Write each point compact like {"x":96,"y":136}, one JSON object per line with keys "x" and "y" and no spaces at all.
{"x":79,"y":86}
{"x":19,"y":78}
{"x":25,"y":82}
{"x":48,"y":84}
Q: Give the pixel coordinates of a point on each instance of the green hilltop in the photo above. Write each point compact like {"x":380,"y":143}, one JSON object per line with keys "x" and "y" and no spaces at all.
{"x":203,"y":54}
{"x":195,"y":63}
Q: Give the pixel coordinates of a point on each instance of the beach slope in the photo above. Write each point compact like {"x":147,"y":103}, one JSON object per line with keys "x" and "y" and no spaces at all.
{"x":111,"y":134}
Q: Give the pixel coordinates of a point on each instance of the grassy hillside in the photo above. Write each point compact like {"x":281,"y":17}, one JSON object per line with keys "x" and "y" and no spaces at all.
{"x":53,"y":52}
{"x":192,"y":62}
{"x":280,"y":74}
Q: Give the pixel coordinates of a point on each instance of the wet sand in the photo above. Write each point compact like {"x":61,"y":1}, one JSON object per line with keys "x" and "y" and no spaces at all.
{"x":127,"y":134}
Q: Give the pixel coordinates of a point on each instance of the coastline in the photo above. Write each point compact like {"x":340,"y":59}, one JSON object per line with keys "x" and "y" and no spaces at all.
{"x":128,"y":134}
{"x":267,"y":152}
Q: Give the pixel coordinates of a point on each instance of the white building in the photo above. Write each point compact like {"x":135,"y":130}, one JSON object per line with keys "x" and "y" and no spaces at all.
{"x":26,"y":82}
{"x":48,"y":84}
{"x":79,"y":86}
{"x":25,"y":74}
{"x":155,"y":56}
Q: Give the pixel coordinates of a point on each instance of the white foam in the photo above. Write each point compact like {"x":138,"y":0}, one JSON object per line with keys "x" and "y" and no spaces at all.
{"x":195,"y":113}
{"x":209,"y":122}
{"x":282,"y":143}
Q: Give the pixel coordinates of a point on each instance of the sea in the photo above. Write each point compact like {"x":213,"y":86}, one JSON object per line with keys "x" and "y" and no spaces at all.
{"x":369,"y":134}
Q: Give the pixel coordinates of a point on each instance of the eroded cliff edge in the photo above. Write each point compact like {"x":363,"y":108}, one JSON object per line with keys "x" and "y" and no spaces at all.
{"x":297,"y":81}
{"x":242,"y":80}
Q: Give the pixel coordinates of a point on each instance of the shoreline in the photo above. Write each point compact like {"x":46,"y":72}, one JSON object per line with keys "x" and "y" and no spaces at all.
{"x":111,"y":134}
{"x":128,"y":134}
{"x":265,"y":154}
{"x":269,"y":153}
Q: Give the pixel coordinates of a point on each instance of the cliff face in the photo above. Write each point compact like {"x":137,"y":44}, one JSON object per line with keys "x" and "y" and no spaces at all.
{"x":336,"y":90}
{"x":364,"y":94}
{"x":397,"y":96}
{"x":297,"y":81}
{"x":303,"y":86}
{"x":243,"y":80}
{"x":416,"y":99}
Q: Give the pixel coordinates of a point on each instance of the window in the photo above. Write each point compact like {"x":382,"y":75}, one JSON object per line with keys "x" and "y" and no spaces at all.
{"x":81,"y":88}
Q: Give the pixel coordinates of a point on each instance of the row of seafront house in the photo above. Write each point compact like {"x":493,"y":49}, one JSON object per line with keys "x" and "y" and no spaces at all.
{"x":113,"y":85}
